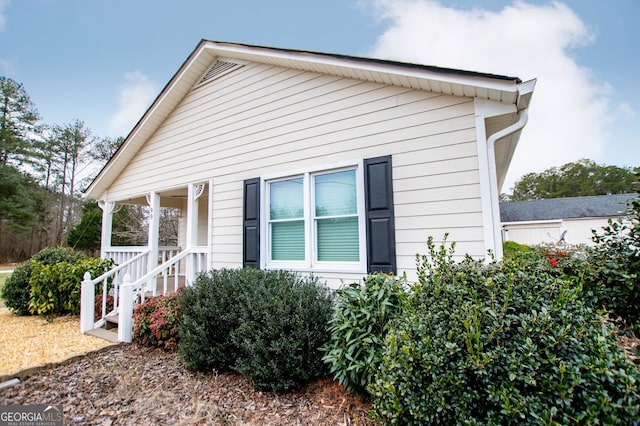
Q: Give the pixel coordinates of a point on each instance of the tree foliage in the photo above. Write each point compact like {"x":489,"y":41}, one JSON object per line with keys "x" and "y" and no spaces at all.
{"x":18,"y":122}
{"x":23,"y":209}
{"x":43,"y":171}
{"x":580,"y":178}
{"x":86,"y":235}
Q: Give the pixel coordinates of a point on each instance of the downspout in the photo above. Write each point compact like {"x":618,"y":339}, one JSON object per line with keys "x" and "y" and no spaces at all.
{"x":523,"y":117}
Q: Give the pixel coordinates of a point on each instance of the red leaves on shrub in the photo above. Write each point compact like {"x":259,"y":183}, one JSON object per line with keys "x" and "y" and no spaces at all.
{"x":155,"y":322}
{"x":97,"y":306}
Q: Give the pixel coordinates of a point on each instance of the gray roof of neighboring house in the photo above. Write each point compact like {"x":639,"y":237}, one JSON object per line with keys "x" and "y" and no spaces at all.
{"x":564,"y":208}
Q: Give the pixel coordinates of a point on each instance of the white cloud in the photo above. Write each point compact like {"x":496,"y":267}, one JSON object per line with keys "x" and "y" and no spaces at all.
{"x":625,"y":110}
{"x":135,"y":96}
{"x":4,"y":4}
{"x":570,"y":110}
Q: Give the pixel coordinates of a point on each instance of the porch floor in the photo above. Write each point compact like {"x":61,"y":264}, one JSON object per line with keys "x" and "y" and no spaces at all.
{"x":170,"y":285}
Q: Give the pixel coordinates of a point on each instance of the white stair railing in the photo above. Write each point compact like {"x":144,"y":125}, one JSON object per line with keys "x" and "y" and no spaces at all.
{"x":135,"y":290}
{"x":135,"y":266}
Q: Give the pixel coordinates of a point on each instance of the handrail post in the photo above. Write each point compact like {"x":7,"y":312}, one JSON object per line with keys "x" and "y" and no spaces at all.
{"x":87,"y":304}
{"x":125,"y":313}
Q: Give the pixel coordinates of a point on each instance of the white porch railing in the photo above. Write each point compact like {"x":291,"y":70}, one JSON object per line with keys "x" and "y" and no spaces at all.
{"x":134,"y":291}
{"x":122,"y":254}
{"x":175,"y":270}
{"x":135,"y":265}
{"x":131,"y":260}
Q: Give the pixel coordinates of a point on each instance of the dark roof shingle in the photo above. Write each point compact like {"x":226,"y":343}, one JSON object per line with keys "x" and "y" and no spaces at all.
{"x":564,"y":208}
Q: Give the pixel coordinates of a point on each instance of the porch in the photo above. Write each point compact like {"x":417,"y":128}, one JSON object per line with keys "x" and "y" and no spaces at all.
{"x":139,"y":272}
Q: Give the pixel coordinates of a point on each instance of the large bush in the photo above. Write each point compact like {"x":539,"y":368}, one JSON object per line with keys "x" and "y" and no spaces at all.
{"x":210,"y":312}
{"x":617,"y":258}
{"x":268,"y":325}
{"x":17,"y":291}
{"x":283,"y":326}
{"x":361,"y":320}
{"x":501,"y":344}
{"x":55,"y":288}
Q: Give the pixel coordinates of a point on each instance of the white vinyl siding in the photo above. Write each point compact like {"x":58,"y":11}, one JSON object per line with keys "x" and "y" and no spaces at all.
{"x":262,"y":120}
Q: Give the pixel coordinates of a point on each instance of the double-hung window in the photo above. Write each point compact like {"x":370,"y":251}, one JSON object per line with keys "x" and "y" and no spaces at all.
{"x":315,"y":221}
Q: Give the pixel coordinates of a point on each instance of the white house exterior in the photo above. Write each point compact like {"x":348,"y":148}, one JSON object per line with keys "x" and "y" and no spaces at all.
{"x":540,"y":222}
{"x":322,"y":163}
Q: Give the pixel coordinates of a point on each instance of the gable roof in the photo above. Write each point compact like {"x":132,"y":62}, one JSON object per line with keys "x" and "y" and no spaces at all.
{"x":447,"y":81}
{"x":564,"y":208}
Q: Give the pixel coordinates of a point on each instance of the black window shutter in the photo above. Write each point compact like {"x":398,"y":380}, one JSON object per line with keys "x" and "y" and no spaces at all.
{"x":381,"y":239}
{"x":251,"y":224}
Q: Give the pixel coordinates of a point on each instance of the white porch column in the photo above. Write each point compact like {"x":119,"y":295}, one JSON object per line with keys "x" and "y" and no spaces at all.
{"x":194,"y":192}
{"x":210,"y":226}
{"x":154,"y":230}
{"x":107,"y":226}
{"x":125,"y":313}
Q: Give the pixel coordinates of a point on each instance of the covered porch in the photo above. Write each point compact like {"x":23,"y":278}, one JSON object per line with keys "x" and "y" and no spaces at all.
{"x":140,"y":272}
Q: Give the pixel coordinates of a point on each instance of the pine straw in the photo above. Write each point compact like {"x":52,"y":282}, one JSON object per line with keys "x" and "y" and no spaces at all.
{"x":30,"y":342}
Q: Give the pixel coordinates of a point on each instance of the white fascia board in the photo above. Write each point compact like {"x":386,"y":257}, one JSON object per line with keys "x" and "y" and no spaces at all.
{"x":485,"y":82}
{"x":525,"y":92}
{"x":488,"y":108}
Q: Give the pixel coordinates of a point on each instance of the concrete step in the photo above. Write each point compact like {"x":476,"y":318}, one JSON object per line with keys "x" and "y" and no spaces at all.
{"x":108,"y":335}
{"x":111,"y":321}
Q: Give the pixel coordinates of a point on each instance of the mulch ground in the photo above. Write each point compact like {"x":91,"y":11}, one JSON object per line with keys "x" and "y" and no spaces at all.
{"x":132,"y":385}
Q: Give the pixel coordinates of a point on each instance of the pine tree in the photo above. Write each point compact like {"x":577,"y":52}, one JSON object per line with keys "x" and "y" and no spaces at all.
{"x":18,"y":123}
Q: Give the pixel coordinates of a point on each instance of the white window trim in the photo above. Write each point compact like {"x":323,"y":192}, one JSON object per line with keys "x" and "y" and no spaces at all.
{"x":310,"y":264}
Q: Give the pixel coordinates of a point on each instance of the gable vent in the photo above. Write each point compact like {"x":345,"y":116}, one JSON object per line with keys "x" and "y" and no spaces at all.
{"x":219,"y":68}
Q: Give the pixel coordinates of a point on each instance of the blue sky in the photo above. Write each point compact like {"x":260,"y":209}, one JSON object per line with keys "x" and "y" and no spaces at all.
{"x":104,"y":61}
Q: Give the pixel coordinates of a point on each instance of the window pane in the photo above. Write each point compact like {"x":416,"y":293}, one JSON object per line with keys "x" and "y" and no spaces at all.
{"x":338,"y":239}
{"x":286,"y":200}
{"x":335,"y":194}
{"x":287,"y":240}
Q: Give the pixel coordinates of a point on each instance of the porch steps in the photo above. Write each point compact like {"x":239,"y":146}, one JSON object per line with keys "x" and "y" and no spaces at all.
{"x":111,"y":322}
{"x":109,"y":331}
{"x":105,"y":334}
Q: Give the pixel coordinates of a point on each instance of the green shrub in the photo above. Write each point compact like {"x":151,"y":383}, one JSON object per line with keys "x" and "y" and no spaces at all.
{"x":55,"y":288}
{"x":501,"y":344}
{"x":16,"y":290}
{"x":268,"y":325}
{"x":156,"y":322}
{"x":53,"y":255}
{"x":617,"y":258}
{"x":209,"y":315}
{"x":361,"y":319}
{"x":283,"y":326}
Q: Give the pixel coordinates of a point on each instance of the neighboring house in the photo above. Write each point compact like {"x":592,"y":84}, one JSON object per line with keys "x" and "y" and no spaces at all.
{"x":572,"y":219}
{"x":320,"y":163}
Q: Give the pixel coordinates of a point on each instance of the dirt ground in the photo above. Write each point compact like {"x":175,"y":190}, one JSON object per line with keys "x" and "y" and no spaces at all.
{"x":132,"y":385}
